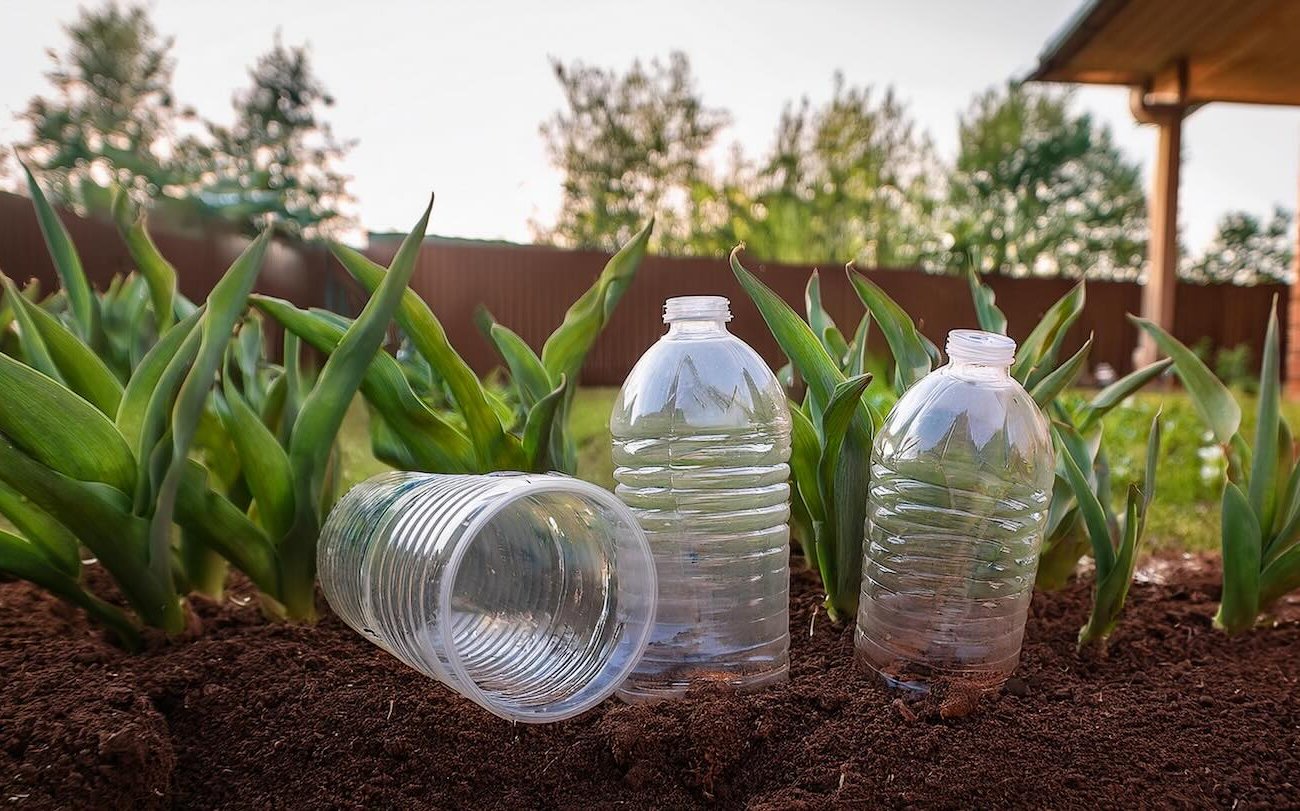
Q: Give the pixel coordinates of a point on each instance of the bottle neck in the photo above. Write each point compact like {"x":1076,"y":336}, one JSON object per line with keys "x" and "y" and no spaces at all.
{"x":980,"y":354}
{"x":976,"y":370}
{"x":697,"y":316}
{"x":697,"y":328}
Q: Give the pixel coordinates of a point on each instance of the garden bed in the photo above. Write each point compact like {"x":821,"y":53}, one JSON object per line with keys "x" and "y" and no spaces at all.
{"x":249,"y":714}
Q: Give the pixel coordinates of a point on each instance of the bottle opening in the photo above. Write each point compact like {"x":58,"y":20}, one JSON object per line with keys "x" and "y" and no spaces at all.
{"x":697,"y":308}
{"x":979,"y":347}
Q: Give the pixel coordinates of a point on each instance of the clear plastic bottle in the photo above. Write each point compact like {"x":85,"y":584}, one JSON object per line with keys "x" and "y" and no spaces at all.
{"x":701,"y":443}
{"x":961,"y":477}
{"x":531,"y":595}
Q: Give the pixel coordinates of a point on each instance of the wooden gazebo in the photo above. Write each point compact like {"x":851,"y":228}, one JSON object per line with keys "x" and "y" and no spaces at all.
{"x":1175,"y":57}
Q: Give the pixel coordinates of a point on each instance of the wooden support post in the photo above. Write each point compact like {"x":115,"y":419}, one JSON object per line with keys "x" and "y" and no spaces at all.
{"x":1162,"y":250}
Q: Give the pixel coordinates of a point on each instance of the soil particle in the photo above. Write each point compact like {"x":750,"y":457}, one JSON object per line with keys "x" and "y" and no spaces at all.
{"x":242,"y":713}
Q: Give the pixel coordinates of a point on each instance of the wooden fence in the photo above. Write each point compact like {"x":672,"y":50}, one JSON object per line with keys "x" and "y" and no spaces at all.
{"x":529,"y":289}
{"x":293,"y":271}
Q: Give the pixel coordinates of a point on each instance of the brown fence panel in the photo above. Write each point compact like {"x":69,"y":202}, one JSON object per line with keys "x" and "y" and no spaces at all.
{"x":299,"y":273}
{"x":529,"y":289}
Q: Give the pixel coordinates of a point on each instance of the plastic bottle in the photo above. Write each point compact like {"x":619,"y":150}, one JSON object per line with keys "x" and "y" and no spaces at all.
{"x":961,"y":478}
{"x":701,"y":442}
{"x":532,"y":595}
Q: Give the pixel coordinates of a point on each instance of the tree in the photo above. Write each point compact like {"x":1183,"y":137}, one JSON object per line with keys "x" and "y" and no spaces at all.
{"x":279,"y":161}
{"x":629,"y":145}
{"x":112,"y":114}
{"x":853,"y":179}
{"x":1040,"y":190}
{"x":1246,"y":251}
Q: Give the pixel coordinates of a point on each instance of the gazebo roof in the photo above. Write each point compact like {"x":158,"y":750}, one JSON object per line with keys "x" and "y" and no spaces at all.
{"x":1188,"y":52}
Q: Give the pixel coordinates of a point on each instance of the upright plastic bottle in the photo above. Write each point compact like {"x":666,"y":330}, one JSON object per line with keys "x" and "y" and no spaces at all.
{"x":961,"y":477}
{"x":701,"y":444}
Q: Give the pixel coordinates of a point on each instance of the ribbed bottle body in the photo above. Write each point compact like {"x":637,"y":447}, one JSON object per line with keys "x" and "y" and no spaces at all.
{"x":960,"y":486}
{"x":701,"y":443}
{"x":527,"y":594}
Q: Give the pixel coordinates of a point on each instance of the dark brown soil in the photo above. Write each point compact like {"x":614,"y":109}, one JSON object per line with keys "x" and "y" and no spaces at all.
{"x":251,"y":715}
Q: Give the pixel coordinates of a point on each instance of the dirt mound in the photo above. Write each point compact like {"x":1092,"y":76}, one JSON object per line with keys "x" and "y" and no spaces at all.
{"x":249,"y":714}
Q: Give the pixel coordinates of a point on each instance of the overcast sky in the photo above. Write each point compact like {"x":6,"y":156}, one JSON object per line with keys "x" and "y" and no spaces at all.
{"x":448,"y":96}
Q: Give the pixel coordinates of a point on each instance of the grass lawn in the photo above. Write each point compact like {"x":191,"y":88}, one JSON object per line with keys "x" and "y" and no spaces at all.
{"x":1185,"y":515}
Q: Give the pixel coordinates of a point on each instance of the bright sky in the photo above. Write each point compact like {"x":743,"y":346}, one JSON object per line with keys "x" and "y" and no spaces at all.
{"x":448,"y":96}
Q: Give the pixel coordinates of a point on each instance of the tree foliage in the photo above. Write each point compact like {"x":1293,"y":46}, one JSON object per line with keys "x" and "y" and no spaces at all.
{"x":279,"y":161}
{"x":629,"y":145}
{"x":1246,"y":250}
{"x":112,"y":119}
{"x":854,"y":178}
{"x":111,"y":116}
{"x":1039,"y":189}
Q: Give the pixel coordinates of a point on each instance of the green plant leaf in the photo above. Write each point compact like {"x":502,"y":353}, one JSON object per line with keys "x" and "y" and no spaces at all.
{"x":158,"y":273}
{"x":79,"y":367}
{"x":1062,"y":377}
{"x":226,"y":303}
{"x":1212,"y":400}
{"x":1110,"y":593}
{"x":526,"y":370}
{"x":81,"y":299}
{"x":1153,"y":457}
{"x":147,"y":400}
{"x":1264,"y":466}
{"x":1280,"y":577}
{"x":219,"y":525}
{"x":264,"y":463}
{"x":1037,"y":354}
{"x":796,"y":338}
{"x":101,"y":518}
{"x":61,"y":430}
{"x":812,"y":298}
{"x":846,"y":523}
{"x":805,"y":454}
{"x":987,"y":313}
{"x":844,"y":403}
{"x":1090,"y":510}
{"x":539,"y":426}
{"x":35,"y":352}
{"x":856,"y":362}
{"x":59,"y":546}
{"x":912,"y":357}
{"x":430,"y":443}
{"x":1119,"y":391}
{"x":1240,"y":603}
{"x":430,"y":339}
{"x":23,"y":560}
{"x":312,"y":442}
{"x":567,"y":347}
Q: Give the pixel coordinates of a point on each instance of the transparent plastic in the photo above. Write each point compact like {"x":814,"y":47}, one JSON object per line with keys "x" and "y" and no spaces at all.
{"x":701,"y":443}
{"x":961,"y":477}
{"x":531,"y":595}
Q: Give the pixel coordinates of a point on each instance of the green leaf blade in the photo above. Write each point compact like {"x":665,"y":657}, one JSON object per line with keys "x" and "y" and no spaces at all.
{"x":1211,"y":399}
{"x":1241,"y":535}
{"x":912,"y":357}
{"x":567,"y":347}
{"x":67,"y":263}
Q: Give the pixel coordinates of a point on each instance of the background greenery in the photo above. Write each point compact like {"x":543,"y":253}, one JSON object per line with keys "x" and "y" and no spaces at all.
{"x":1036,"y":186}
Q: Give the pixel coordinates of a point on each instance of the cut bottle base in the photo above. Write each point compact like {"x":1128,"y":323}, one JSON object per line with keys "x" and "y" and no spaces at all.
{"x":643,"y":691}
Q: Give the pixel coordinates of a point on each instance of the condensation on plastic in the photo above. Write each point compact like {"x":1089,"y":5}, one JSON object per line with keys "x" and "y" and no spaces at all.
{"x":701,"y":443}
{"x":961,"y":478}
{"x":531,"y":595}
